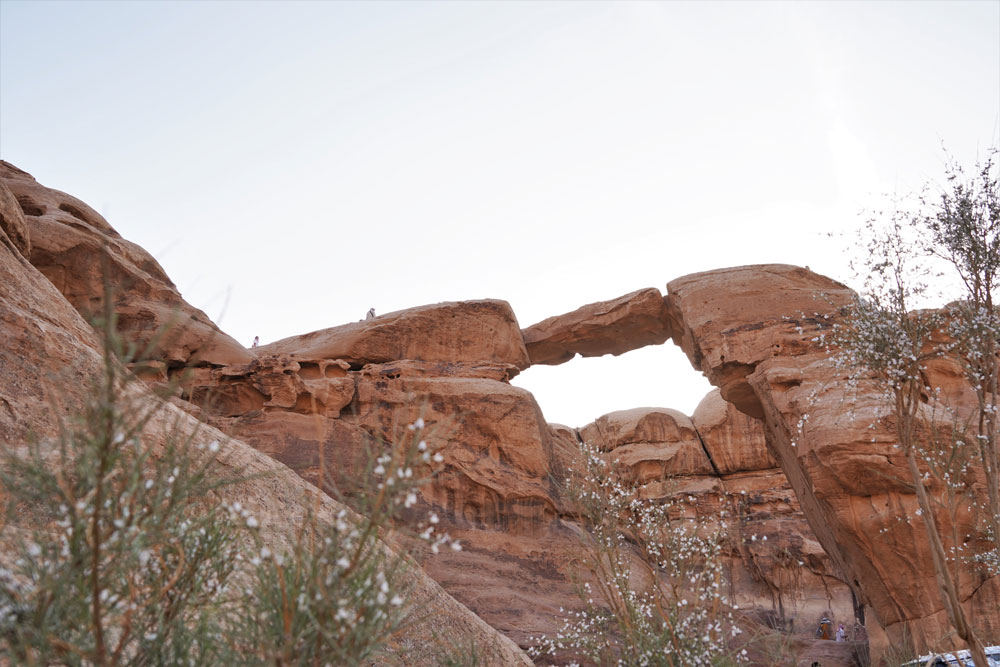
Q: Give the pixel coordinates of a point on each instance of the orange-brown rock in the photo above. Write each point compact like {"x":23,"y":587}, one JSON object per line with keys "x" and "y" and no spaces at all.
{"x":776,"y":566}
{"x":13,"y":228}
{"x":853,"y":485}
{"x":496,"y":492}
{"x":652,"y":442}
{"x":48,"y":351}
{"x":833,"y":441}
{"x":733,"y":440}
{"x":40,"y":334}
{"x":496,"y":451}
{"x":729,"y":320}
{"x":606,"y":327}
{"x":454,"y":332}
{"x":780,"y":569}
{"x":837,"y":514}
{"x":67,"y":241}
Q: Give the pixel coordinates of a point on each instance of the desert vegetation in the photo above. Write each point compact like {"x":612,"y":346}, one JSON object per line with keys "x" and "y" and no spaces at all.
{"x":133,"y":561}
{"x":949,"y":234}
{"x":652,"y":583}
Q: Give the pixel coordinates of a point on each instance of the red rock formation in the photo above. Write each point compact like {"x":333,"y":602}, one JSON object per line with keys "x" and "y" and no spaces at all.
{"x":606,"y":327}
{"x":727,"y":321}
{"x":496,"y":492}
{"x":734,"y":441}
{"x":472,"y":331}
{"x":834,"y":442}
{"x":776,"y":566}
{"x":67,"y":240}
{"x":653,"y":442}
{"x":47,"y":351}
{"x":316,"y":402}
{"x":12,"y":223}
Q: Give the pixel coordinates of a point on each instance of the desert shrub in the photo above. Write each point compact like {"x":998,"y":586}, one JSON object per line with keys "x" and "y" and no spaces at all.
{"x":126,"y":563}
{"x":338,"y":595}
{"x":129,"y":559}
{"x":653,"y":582}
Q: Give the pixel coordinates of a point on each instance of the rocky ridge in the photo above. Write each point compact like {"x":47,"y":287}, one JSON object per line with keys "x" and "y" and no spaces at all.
{"x":48,"y":357}
{"x":773,"y":444}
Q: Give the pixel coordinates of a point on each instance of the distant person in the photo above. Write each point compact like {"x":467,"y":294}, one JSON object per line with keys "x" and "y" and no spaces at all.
{"x":824,"y":629}
{"x":371,"y":314}
{"x":841,"y":633}
{"x":256,"y":341}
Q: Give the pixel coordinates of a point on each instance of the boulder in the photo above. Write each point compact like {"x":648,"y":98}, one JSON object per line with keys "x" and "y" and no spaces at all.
{"x":733,"y":440}
{"x":606,"y":327}
{"x":653,"y":442}
{"x":453,"y":332}
{"x":729,"y":320}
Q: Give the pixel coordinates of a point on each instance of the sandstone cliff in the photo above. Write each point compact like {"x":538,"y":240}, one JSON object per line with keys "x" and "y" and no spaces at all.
{"x":774,"y":444}
{"x":49,"y":352}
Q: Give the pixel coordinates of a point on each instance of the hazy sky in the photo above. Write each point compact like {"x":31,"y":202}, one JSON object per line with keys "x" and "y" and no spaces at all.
{"x":293,"y":164}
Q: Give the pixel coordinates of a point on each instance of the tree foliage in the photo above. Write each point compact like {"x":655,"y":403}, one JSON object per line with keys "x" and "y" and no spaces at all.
{"x":952,"y":234}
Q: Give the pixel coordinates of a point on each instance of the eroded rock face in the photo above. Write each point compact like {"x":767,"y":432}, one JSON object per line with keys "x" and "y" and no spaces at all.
{"x":606,"y":327}
{"x":468,"y":332}
{"x":48,"y":351}
{"x":733,"y":440}
{"x":775,"y":446}
{"x":728,"y":321}
{"x":496,"y":492}
{"x":67,"y":237}
{"x":12,"y":223}
{"x":775,"y":564}
{"x":852,"y":482}
{"x":501,"y":488}
{"x":834,"y":442}
{"x":45,"y":345}
{"x":653,"y":443}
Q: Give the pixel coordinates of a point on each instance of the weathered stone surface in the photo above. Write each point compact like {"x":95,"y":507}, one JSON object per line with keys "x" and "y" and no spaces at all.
{"x":734,"y":441}
{"x":13,"y":228}
{"x":606,"y":327}
{"x":780,"y":569}
{"x":775,"y":565}
{"x":47,"y":350}
{"x":67,"y":241}
{"x":44,"y":345}
{"x":752,"y":331}
{"x":316,"y":402}
{"x":483,"y":331}
{"x":729,"y":320}
{"x":496,"y":491}
{"x":652,"y":442}
{"x":852,"y":484}
{"x":497,"y":447}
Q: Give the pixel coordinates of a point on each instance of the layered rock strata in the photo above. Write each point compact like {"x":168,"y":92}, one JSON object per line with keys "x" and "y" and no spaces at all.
{"x":48,"y":357}
{"x":834,"y":440}
{"x":76,"y":249}
{"x":606,"y":327}
{"x":776,"y":445}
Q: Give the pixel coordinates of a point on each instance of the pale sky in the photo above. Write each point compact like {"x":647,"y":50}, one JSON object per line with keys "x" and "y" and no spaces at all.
{"x":293,"y":164}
